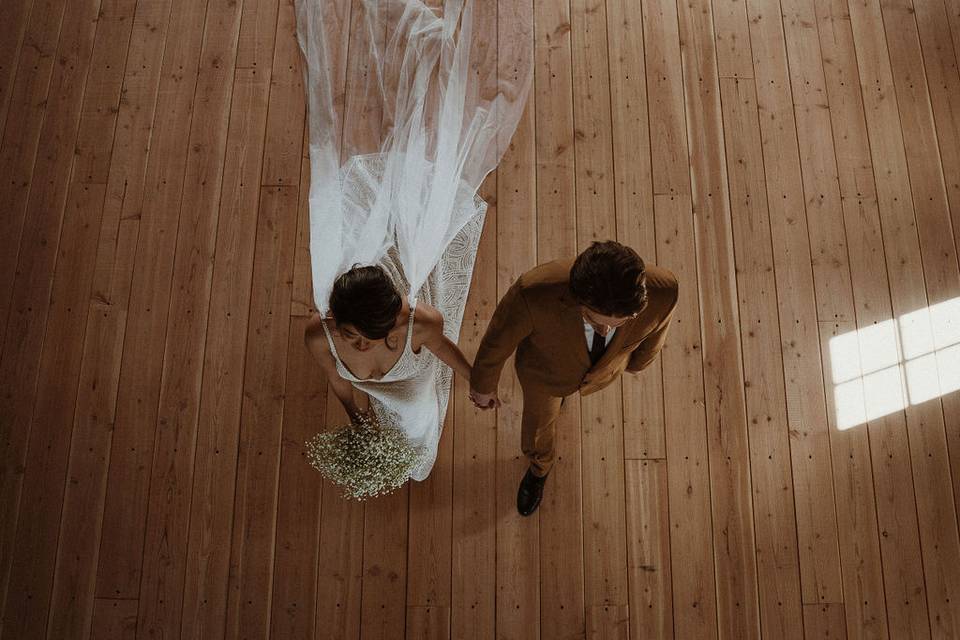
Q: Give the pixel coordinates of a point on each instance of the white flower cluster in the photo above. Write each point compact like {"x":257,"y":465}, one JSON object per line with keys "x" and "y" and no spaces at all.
{"x":365,"y":458}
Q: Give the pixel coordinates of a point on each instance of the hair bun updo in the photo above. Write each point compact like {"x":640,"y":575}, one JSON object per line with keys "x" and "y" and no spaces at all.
{"x":366,"y":298}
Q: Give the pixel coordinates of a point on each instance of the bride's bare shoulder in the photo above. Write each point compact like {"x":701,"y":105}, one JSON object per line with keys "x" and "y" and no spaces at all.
{"x":427,"y":322}
{"x":316,"y":339}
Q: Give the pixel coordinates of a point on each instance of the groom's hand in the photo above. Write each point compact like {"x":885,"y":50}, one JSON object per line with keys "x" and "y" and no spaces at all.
{"x":485,"y":400}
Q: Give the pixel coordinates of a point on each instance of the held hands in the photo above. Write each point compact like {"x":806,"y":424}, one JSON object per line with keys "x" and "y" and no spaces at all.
{"x":485,"y":400}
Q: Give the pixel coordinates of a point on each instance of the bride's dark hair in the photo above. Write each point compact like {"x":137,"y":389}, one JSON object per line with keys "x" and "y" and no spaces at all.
{"x":366,"y":298}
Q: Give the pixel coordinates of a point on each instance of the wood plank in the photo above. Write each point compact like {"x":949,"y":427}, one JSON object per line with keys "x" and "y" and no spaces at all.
{"x":211,"y":519}
{"x":255,"y":506}
{"x":128,"y":158}
{"x":864,"y":595}
{"x":943,"y":83}
{"x":23,"y":447}
{"x":214,"y":475}
{"x":818,"y":162}
{"x":940,"y":63}
{"x":596,"y":219}
{"x":648,"y":548}
{"x":60,"y":367}
{"x":863,"y":588}
{"x":953,"y":19}
{"x":781,"y":613}
{"x":900,"y":140}
{"x":665,"y":100}
{"x":643,"y":435}
{"x":72,"y":599}
{"x":608,"y":622}
{"x":473,"y":593}
{"x":561,"y":534}
{"x":281,"y":158}
{"x":341,"y":551}
{"x":788,"y":189}
{"x":517,"y":538}
{"x":688,"y":475}
{"x":171,"y":481}
{"x":75,"y":578}
{"x":19,"y":148}
{"x":735,"y":58}
{"x":125,"y":511}
{"x":888,"y":447}
{"x":75,"y":574}
{"x":33,"y":570}
{"x":258,"y":35}
{"x":12,"y":31}
{"x":298,"y":505}
{"x":560,"y":514}
{"x":553,"y":94}
{"x":604,"y":532}
{"x":823,"y":621}
{"x":385,"y":539}
{"x":927,"y":330}
{"x":102,"y":97}
{"x":815,"y":107}
{"x":733,"y":512}
{"x":303,"y":303}
{"x":429,"y":569}
{"x":114,"y":620}
{"x":428,"y":623}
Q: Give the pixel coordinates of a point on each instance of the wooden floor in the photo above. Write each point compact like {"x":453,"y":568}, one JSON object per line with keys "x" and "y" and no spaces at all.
{"x":796,"y":164}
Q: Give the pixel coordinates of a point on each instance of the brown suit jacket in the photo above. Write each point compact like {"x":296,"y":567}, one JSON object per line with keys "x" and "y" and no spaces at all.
{"x":539,"y":318}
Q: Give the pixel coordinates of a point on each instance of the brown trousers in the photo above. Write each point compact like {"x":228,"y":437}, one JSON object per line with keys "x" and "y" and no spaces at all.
{"x":538,"y":427}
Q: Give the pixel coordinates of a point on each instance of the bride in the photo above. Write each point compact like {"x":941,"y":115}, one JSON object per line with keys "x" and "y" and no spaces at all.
{"x":410,"y":107}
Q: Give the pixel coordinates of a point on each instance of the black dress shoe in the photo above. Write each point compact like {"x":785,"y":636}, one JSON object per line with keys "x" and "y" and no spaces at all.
{"x":530,"y":493}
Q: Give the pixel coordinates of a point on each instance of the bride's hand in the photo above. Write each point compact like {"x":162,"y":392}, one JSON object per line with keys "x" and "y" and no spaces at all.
{"x":357,"y":415}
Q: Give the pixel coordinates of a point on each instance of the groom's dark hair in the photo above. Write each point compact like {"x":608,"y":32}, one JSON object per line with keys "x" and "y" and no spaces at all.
{"x":609,"y":278}
{"x":366,"y":298}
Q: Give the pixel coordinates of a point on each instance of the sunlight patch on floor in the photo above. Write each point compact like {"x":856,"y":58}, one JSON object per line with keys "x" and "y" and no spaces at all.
{"x":889,"y":366}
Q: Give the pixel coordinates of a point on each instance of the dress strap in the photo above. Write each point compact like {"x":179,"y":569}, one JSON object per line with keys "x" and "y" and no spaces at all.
{"x":326,"y":331}
{"x":413,"y":309}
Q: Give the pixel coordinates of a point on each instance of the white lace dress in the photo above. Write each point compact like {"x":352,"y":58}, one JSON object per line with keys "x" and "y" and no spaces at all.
{"x":413,"y":395}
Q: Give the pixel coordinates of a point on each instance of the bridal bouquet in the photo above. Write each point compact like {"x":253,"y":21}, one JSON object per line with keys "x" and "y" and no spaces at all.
{"x":365,"y":458}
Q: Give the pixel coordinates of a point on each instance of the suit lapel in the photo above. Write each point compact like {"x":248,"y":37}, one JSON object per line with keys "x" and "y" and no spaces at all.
{"x":571,"y":329}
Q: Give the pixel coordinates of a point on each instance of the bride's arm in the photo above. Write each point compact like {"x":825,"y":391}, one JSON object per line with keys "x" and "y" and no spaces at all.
{"x":316,"y":342}
{"x":429,"y":326}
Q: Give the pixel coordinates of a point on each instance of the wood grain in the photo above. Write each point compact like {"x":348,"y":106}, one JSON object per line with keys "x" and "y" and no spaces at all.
{"x":794,"y":165}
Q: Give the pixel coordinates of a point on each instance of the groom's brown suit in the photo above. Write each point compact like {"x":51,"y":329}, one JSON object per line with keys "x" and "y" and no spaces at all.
{"x":539,"y":318}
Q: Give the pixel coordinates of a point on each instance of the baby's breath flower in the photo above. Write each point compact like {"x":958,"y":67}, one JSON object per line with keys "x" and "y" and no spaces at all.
{"x":365,"y":458}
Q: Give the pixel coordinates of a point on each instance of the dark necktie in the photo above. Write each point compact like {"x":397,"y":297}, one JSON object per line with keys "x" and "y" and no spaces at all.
{"x":598,"y":347}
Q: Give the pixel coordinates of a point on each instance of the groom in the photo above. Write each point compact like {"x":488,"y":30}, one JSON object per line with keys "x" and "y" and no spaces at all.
{"x":576,"y":326}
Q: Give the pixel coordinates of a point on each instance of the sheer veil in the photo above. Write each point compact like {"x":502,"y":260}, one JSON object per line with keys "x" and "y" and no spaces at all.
{"x":435,"y":92}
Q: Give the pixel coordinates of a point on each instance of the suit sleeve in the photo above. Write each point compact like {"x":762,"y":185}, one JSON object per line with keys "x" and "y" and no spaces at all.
{"x":647,"y":350}
{"x":510,"y":324}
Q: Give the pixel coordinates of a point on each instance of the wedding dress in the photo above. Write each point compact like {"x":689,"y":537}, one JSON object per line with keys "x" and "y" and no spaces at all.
{"x":413,"y":394}
{"x":410,"y":107}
